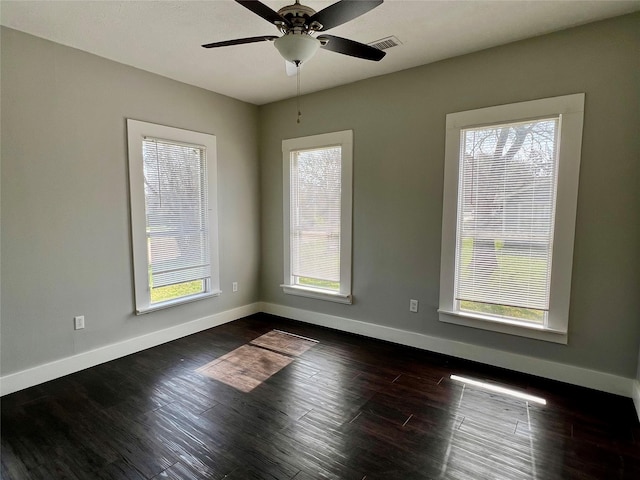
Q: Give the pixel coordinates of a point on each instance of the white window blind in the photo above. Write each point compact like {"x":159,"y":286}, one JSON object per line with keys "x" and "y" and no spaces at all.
{"x":175,"y":183}
{"x":317,"y":212}
{"x":315,"y":215}
{"x":508,"y":217}
{"x":506,"y":211}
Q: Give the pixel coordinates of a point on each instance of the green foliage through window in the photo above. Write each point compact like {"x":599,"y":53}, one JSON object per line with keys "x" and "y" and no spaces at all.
{"x":317,"y":283}
{"x":169,"y":292}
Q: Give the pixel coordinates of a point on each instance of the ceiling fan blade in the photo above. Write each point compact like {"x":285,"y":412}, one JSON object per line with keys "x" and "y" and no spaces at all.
{"x":342,"y":12}
{"x":349,"y":47}
{"x":240,"y":41}
{"x":264,"y":11}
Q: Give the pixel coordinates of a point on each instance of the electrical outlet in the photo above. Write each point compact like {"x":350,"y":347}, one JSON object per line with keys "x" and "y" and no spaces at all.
{"x":78,"y":322}
{"x":234,"y":286}
{"x":413,"y":306}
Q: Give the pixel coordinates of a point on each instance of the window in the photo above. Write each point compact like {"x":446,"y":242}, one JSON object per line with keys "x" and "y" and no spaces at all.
{"x":510,"y":194}
{"x":317,"y":216}
{"x":172,"y":175}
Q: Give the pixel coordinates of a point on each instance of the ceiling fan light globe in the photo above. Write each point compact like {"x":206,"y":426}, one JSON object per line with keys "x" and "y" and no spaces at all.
{"x":297,"y":48}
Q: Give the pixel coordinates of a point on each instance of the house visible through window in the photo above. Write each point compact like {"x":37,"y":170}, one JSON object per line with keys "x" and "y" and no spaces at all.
{"x":510,"y":200}
{"x":172,"y":175}
{"x":317,"y":214}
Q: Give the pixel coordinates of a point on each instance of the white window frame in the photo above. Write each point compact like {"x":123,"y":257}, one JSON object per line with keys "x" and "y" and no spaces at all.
{"x":344,"y":139}
{"x":136,"y":133}
{"x":570,"y":109}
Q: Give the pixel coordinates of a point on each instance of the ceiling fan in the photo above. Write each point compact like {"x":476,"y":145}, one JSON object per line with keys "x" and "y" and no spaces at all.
{"x":299,"y":23}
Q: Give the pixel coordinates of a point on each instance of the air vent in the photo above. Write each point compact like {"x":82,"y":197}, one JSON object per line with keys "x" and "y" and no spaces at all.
{"x":385,"y":43}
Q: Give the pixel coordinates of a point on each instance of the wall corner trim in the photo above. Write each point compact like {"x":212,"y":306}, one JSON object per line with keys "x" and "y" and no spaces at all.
{"x":583,"y":377}
{"x":65,"y":366}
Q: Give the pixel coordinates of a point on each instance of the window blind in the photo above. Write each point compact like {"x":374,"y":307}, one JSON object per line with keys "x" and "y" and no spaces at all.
{"x":315,"y":213}
{"x":506,"y":211}
{"x":175,"y":184}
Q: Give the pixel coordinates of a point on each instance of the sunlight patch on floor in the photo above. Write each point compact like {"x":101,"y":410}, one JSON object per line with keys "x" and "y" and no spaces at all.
{"x":248,"y":366}
{"x":499,"y":389}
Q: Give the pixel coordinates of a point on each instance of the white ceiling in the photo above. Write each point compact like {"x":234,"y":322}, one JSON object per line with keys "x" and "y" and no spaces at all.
{"x":164,"y":37}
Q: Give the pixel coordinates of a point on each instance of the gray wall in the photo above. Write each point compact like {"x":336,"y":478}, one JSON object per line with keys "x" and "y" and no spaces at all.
{"x":65,"y":243}
{"x":399,"y":132}
{"x":66,"y":246}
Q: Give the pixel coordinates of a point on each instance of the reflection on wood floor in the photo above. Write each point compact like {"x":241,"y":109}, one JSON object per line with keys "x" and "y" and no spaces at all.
{"x":344,"y":407}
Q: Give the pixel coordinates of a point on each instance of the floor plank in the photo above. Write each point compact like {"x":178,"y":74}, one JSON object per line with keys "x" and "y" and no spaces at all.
{"x":347,"y":408}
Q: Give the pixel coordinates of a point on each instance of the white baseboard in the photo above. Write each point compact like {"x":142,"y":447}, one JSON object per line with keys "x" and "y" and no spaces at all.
{"x":521,"y":363}
{"x":58,"y":368}
{"x":557,"y":371}
{"x":636,"y":396}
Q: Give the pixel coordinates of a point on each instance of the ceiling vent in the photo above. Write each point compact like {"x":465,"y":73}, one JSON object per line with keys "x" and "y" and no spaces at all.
{"x":385,"y":43}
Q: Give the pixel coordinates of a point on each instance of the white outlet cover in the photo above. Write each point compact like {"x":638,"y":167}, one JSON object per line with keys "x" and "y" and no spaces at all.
{"x":413,"y":305}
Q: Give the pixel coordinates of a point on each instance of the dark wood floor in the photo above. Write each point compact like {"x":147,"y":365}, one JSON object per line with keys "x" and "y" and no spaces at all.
{"x":347,"y":408}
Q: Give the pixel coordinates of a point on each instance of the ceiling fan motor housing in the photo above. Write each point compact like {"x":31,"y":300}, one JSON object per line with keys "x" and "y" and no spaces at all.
{"x":298,"y":15}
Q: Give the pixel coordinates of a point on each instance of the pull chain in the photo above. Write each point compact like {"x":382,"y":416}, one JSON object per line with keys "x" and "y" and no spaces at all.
{"x":298,"y":92}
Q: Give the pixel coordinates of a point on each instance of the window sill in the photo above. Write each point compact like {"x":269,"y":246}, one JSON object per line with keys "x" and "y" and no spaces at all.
{"x":317,"y":293}
{"x":177,"y":301}
{"x":510,"y":327}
